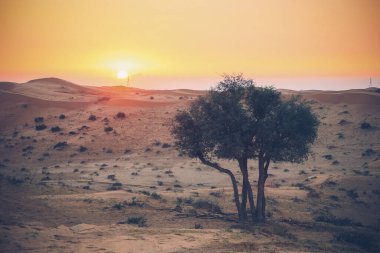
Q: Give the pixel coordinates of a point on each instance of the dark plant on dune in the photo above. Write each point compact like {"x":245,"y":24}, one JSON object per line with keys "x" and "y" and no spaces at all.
{"x":238,"y":121}
{"x":55,"y":129}
{"x":92,"y":117}
{"x":41,"y":127}
{"x":120,"y":115}
{"x":39,"y":119}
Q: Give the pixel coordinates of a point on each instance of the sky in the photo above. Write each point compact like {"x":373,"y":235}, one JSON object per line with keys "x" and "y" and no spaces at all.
{"x":167,"y":44}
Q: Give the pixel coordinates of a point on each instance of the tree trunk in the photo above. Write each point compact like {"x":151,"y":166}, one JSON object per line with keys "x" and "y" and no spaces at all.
{"x":243,"y":164}
{"x":244,"y":194}
{"x":233,"y":181}
{"x":263,"y":175}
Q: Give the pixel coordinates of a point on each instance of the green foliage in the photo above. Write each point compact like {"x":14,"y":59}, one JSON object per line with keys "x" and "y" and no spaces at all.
{"x":237,"y":119}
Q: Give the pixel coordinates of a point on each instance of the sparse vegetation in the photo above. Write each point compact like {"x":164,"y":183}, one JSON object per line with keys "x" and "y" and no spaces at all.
{"x":369,"y":152}
{"x":108,"y":129}
{"x":365,"y":125}
{"x":115,"y":186}
{"x":92,"y":117}
{"x":39,"y":119}
{"x":120,"y":115}
{"x":60,"y":145}
{"x":55,"y":129}
{"x":137,"y":220}
{"x":41,"y":127}
{"x":362,"y":240}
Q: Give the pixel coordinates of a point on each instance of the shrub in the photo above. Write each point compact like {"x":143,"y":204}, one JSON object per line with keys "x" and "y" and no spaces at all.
{"x":111,"y":177}
{"x":359,"y":239}
{"x":343,"y":122}
{"x":216,"y":194}
{"x":328,"y":157}
{"x":334,"y":220}
{"x":115,"y":186}
{"x":145,"y":192}
{"x":365,"y":125}
{"x":82,"y":149}
{"x":209,"y":205}
{"x":198,"y":226}
{"x":352,"y":194}
{"x":55,"y":129}
{"x":41,"y":127}
{"x":62,"y":116}
{"x":60,"y":145}
{"x":335,"y":162}
{"x":108,"y":129}
{"x":92,"y":117}
{"x":155,"y":195}
{"x":120,"y":115}
{"x":166,"y":145}
{"x":137,"y":220}
{"x":39,"y":119}
{"x":368,"y":152}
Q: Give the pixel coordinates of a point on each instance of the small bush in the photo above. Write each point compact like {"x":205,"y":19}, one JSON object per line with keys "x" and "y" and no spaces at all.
{"x":145,"y":192}
{"x":92,"y":117}
{"x":335,"y":162}
{"x":82,"y":149}
{"x":361,"y":240}
{"x":41,"y":127}
{"x":198,"y":226}
{"x":155,"y":195}
{"x":111,"y":177}
{"x":352,"y":194}
{"x":369,"y":152}
{"x":216,"y":194}
{"x":328,"y":157}
{"x":343,"y":122}
{"x":166,"y":145}
{"x":115,"y":187}
{"x":60,"y":145}
{"x":118,"y":206}
{"x":365,"y":125}
{"x":39,"y":119}
{"x":108,"y":129}
{"x":120,"y":115}
{"x":55,"y":129}
{"x":137,"y":220}
{"x":334,"y":220}
{"x":208,"y":205}
{"x":62,"y":116}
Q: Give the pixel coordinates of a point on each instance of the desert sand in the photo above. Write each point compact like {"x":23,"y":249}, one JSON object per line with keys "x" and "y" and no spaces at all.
{"x":73,"y":188}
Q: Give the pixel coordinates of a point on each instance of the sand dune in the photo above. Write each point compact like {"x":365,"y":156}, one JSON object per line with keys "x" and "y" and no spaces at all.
{"x":77,"y":196}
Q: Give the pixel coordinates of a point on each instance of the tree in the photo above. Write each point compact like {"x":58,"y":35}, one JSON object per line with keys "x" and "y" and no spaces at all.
{"x":283,"y":135}
{"x":230,"y":123}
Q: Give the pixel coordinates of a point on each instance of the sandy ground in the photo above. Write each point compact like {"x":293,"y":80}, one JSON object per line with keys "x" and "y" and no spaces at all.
{"x":78,"y":197}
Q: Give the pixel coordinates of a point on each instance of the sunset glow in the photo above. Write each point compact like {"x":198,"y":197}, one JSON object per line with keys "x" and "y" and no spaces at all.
{"x":165,"y":42}
{"x":122,"y":74}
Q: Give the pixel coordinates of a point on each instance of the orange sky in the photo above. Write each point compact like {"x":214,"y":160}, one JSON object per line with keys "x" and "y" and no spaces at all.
{"x":170,"y":41}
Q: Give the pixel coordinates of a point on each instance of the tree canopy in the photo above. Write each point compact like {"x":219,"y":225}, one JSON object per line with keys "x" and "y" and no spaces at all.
{"x":239,"y":121}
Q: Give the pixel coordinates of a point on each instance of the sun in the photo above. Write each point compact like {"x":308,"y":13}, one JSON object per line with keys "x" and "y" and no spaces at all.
{"x":122,"y":74}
